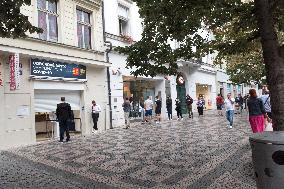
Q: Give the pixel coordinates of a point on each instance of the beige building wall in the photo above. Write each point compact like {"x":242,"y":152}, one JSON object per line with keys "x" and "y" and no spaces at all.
{"x":16,"y":130}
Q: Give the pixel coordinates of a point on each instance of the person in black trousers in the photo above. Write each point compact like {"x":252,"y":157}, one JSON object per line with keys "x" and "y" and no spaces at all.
{"x":96,"y":109}
{"x":63,"y":113}
{"x":200,"y":106}
{"x":169,"y":103}
{"x":178,"y":109}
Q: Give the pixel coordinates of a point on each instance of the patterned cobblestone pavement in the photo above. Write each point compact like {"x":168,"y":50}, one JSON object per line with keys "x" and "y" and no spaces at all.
{"x":199,"y":153}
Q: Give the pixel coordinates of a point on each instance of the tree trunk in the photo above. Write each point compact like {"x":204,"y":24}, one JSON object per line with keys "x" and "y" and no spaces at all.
{"x":273,"y":55}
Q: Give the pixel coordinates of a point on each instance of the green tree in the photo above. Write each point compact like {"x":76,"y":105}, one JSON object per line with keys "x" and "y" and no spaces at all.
{"x":246,"y":68}
{"x":13,"y":24}
{"x":237,"y":27}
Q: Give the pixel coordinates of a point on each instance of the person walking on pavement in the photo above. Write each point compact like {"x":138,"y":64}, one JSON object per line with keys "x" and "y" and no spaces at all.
{"x":169,"y":104}
{"x":63,"y":113}
{"x":219,"y":103}
{"x":256,"y":112}
{"x":239,"y":103}
{"x":158,"y":109}
{"x":178,"y":109}
{"x":148,"y":109}
{"x":189,"y":102}
{"x":229,"y":105}
{"x":96,"y":109}
{"x":200,"y":106}
{"x":126,"y":108}
{"x":266,"y":102}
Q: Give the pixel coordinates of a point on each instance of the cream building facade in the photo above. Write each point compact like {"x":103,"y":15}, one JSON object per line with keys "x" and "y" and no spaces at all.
{"x":67,"y":59}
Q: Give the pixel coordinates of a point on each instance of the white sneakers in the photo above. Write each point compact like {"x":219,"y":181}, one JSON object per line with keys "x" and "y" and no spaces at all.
{"x":230,"y":126}
{"x":94,"y":131}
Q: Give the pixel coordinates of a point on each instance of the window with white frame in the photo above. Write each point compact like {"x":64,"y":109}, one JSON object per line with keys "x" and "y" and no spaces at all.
{"x":84,"y":29}
{"x":47,"y":20}
{"x":123,"y":20}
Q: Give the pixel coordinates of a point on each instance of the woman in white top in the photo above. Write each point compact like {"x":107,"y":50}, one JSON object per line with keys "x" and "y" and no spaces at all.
{"x":96,"y":109}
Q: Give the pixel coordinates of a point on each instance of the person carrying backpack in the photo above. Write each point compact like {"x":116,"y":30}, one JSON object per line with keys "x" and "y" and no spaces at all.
{"x":63,"y":113}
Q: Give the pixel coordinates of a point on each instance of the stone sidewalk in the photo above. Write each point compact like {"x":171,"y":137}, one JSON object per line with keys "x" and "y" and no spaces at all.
{"x":199,"y":153}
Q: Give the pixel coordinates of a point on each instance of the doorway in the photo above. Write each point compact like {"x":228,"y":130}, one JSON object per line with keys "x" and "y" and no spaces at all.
{"x":46,"y":125}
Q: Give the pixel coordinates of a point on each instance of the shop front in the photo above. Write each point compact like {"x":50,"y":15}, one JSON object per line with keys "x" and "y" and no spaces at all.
{"x":138,"y":91}
{"x":203,"y":91}
{"x":31,"y":88}
{"x":53,"y":80}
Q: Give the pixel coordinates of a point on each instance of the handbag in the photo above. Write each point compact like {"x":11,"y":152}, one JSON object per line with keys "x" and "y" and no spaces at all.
{"x":268,"y":126}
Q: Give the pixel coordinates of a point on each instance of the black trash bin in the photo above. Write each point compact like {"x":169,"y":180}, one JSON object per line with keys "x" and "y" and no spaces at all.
{"x":268,"y":159}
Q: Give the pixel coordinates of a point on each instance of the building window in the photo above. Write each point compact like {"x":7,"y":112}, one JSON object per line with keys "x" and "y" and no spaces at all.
{"x":123,"y":12}
{"x":47,"y":20}
{"x":84,"y":29}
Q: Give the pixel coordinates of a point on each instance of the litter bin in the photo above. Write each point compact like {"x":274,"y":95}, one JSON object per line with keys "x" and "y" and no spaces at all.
{"x":268,"y":159}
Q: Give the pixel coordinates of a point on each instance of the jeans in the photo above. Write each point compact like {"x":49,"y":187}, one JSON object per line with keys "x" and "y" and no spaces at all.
{"x":95,"y":120}
{"x":170,"y":114}
{"x":230,"y":116}
{"x":179,"y":114}
{"x":63,"y":127}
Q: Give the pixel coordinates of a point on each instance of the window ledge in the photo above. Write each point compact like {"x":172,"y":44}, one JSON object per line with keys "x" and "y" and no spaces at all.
{"x":119,"y":38}
{"x":63,"y":45}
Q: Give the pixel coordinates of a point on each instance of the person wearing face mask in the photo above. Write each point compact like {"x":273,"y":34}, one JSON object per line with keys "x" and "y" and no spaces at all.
{"x":96,"y":109}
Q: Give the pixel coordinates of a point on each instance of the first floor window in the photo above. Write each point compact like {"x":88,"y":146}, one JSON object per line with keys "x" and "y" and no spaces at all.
{"x":47,"y":20}
{"x":83,"y":29}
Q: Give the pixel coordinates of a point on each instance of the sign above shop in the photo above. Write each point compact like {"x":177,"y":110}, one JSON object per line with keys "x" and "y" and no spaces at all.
{"x":180,"y":80}
{"x":57,"y":69}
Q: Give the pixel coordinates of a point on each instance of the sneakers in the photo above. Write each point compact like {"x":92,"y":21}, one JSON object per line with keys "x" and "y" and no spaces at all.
{"x":182,"y":119}
{"x":230,"y":126}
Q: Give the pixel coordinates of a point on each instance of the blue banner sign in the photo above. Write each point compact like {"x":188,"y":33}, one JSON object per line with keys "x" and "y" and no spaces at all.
{"x":57,"y":69}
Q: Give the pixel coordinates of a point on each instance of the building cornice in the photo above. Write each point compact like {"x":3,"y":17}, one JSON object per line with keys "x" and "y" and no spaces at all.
{"x":90,"y":3}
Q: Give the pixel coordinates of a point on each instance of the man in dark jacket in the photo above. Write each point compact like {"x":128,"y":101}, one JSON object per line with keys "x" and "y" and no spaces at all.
{"x":63,"y":113}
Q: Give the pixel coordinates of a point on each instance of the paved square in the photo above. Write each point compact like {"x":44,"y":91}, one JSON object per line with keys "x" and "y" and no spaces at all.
{"x":199,"y":153}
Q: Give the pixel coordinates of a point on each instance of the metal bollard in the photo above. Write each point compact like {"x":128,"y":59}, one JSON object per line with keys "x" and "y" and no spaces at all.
{"x":268,"y":159}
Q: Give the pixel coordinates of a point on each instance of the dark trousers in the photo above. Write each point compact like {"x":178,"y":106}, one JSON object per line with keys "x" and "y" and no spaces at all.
{"x":64,"y":127}
{"x":179,"y":114}
{"x":95,"y":120}
{"x":200,"y":110}
{"x":170,"y":114}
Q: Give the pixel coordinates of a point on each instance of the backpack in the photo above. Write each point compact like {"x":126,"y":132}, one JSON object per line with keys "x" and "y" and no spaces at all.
{"x":189,"y":101}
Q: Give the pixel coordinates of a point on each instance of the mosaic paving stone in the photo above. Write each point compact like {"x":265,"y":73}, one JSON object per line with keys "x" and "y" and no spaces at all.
{"x":198,"y":153}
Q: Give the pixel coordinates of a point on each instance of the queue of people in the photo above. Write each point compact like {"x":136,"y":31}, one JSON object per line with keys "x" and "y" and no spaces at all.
{"x":259,"y":110}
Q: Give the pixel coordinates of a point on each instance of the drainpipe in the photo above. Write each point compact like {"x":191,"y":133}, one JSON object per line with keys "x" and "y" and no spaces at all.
{"x":108,"y":50}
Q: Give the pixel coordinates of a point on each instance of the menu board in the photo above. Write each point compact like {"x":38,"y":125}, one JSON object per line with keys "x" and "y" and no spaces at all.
{"x":57,"y":69}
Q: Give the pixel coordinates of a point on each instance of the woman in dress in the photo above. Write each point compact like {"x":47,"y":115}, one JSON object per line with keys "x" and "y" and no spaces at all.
{"x":256,"y":112}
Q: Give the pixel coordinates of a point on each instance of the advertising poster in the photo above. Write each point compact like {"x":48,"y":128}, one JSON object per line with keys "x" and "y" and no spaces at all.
{"x":14,"y":64}
{"x":57,"y":69}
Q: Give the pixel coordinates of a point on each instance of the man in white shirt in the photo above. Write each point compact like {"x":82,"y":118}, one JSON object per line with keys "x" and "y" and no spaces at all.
{"x":230,"y":107}
{"x":148,"y":109}
{"x":96,"y":109}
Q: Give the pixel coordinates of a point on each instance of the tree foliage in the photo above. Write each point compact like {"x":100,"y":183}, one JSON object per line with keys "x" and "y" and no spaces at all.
{"x":233,"y":24}
{"x":13,"y":24}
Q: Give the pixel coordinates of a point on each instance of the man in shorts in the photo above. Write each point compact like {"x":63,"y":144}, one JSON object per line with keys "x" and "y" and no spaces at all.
{"x":148,"y":109}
